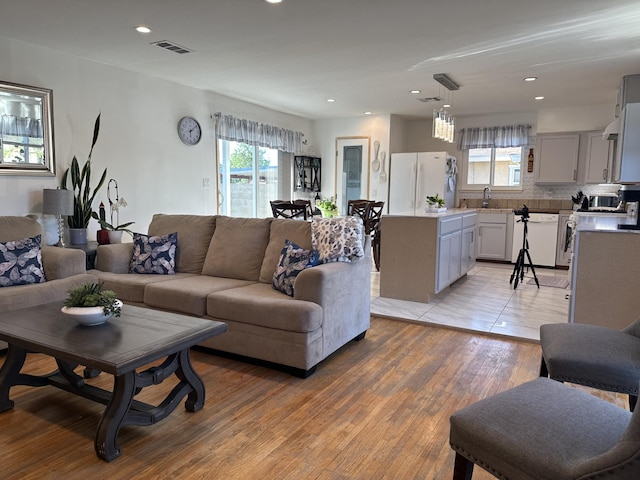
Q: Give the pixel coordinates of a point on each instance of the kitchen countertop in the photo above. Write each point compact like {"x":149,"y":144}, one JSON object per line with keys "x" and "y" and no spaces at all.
{"x":605,"y":223}
{"x":447,"y":213}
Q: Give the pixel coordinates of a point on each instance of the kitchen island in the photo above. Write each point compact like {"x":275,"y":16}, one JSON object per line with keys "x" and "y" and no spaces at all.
{"x":604,"y":272}
{"x":422,"y":254}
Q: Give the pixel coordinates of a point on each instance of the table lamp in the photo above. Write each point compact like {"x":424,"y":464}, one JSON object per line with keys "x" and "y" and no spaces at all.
{"x":58,"y":202}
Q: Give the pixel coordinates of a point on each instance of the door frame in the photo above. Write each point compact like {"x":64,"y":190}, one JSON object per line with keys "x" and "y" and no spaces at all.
{"x":365,"y":143}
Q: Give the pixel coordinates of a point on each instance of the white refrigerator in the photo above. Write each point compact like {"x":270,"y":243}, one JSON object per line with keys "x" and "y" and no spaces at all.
{"x":414,"y":176}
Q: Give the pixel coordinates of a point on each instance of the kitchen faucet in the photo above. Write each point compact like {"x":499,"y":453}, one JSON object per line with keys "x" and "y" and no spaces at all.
{"x":486,"y":195}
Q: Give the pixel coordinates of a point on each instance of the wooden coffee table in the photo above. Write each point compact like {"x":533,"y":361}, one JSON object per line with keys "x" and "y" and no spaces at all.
{"x":118,"y":347}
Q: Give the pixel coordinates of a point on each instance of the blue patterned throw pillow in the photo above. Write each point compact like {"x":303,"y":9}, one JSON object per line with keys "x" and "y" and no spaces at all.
{"x":154,"y":253}
{"x":293,"y":259}
{"x":21,"y":262}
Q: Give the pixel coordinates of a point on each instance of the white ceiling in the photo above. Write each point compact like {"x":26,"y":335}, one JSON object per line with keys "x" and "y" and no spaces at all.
{"x":367,"y":54}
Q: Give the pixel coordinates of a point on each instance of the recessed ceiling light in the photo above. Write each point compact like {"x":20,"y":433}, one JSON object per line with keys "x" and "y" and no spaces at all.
{"x":367,"y":113}
{"x":331,"y":100}
{"x":274,"y":1}
{"x":538,"y":98}
{"x":415,"y":91}
{"x":143,"y":29}
{"x":446,"y":105}
{"x":530,"y":79}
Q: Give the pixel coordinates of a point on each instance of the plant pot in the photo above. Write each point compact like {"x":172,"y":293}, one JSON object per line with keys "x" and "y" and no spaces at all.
{"x":115,"y":236}
{"x":88,"y":316}
{"x":328,"y":213}
{"x":103,"y":237}
{"x":78,"y":236}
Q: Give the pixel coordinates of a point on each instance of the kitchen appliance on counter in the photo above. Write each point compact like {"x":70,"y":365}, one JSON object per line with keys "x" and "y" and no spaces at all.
{"x":631,"y":194}
{"x":413,"y":176}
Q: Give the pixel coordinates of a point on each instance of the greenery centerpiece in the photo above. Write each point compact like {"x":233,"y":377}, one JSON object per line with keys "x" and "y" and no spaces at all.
{"x":435,"y":202}
{"x":327,"y":207}
{"x":90,"y":305}
{"x":83,"y":196}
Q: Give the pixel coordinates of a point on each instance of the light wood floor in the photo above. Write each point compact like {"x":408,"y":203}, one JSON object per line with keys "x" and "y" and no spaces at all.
{"x":377,"y":409}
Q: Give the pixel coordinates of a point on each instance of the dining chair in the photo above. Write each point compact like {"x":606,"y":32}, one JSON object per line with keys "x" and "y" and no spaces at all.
{"x":357,"y":207}
{"x":546,"y":430}
{"x":593,"y":356}
{"x":307,"y":203}
{"x":285,"y":209}
{"x":372,"y":226}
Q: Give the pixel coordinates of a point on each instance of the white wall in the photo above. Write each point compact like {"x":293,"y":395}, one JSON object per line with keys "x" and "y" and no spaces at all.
{"x":138,"y":142}
{"x":326,"y":131}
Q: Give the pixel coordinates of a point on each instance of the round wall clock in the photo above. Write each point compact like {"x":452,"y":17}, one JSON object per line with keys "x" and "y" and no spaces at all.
{"x":189,"y":130}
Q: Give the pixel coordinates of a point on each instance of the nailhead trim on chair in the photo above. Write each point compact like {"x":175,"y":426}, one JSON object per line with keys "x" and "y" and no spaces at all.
{"x":479,"y":462}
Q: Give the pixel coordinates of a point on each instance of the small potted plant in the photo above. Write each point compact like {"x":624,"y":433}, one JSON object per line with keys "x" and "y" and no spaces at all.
{"x":327,"y":207}
{"x":114,"y":228}
{"x":90,"y":305}
{"x":435,"y":203}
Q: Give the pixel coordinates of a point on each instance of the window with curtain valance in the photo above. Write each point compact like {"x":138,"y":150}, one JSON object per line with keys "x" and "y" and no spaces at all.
{"x":257,"y":134}
{"x":21,"y":126}
{"x":495,"y":137}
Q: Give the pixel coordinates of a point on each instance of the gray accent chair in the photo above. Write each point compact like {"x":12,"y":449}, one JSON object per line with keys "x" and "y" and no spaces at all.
{"x":545,"y":430}
{"x":593,"y":356}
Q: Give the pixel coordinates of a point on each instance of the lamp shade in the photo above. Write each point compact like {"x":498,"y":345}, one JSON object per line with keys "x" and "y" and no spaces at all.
{"x":57,"y":202}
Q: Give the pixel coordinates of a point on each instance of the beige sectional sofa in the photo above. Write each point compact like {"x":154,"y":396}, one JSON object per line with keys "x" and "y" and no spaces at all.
{"x":223,"y":271}
{"x":64,"y":269}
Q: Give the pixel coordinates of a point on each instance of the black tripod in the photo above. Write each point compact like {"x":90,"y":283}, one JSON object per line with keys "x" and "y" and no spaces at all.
{"x":518,"y":270}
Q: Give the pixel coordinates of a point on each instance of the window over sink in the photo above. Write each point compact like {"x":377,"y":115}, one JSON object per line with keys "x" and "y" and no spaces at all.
{"x":498,"y":168}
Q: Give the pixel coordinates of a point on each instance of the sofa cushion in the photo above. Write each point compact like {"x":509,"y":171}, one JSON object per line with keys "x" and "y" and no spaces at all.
{"x":21,"y":262}
{"x":281,"y":230}
{"x":293,"y":259}
{"x":237,"y":248}
{"x":130,"y":286}
{"x":187,"y":295}
{"x":17,"y":228}
{"x":338,"y":239}
{"x":259,"y":304}
{"x":154,"y":253}
{"x":194,"y":236}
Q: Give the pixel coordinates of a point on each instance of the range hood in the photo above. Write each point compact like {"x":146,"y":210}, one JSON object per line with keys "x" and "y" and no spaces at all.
{"x":612,"y":130}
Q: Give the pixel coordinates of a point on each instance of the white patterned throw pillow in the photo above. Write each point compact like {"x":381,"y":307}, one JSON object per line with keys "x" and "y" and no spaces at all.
{"x":338,"y":239}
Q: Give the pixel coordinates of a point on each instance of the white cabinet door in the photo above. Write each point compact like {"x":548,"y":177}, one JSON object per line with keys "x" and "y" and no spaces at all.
{"x":557,"y":160}
{"x":469,"y":249}
{"x":492,"y":241}
{"x":448,"y":259}
{"x":598,"y":158}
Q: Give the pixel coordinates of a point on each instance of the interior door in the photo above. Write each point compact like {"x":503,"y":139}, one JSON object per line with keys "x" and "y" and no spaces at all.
{"x":351,"y":170}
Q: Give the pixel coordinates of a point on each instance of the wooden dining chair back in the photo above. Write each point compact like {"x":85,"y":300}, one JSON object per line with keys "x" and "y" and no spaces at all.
{"x":307,"y":203}
{"x":357,"y":207}
{"x":284,"y":209}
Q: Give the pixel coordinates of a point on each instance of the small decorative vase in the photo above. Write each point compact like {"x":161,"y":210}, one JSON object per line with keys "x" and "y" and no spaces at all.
{"x":103,"y":237}
{"x":115,"y":236}
{"x":78,"y":236}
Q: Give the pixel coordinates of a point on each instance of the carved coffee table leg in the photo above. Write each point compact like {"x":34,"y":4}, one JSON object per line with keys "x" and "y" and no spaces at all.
{"x":186,"y":373}
{"x":9,"y":375}
{"x":106,"y":444}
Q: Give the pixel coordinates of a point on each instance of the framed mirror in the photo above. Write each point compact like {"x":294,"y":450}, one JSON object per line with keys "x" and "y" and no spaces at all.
{"x":26,"y":130}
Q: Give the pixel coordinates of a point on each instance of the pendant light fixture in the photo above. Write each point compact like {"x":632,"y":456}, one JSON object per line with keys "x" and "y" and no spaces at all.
{"x":443,"y":122}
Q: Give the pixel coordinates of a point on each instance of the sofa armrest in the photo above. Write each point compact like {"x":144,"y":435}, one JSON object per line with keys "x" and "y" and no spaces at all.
{"x":62,"y":262}
{"x":115,"y":258}
{"x":343,"y":290}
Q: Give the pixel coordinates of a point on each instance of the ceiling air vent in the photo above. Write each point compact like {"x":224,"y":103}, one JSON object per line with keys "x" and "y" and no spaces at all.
{"x":171,"y":47}
{"x":430,"y":99}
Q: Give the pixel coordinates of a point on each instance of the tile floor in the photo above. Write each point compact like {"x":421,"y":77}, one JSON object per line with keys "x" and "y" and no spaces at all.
{"x":484,"y":301}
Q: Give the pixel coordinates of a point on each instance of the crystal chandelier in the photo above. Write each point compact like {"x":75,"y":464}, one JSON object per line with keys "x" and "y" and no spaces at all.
{"x":443,"y":122}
